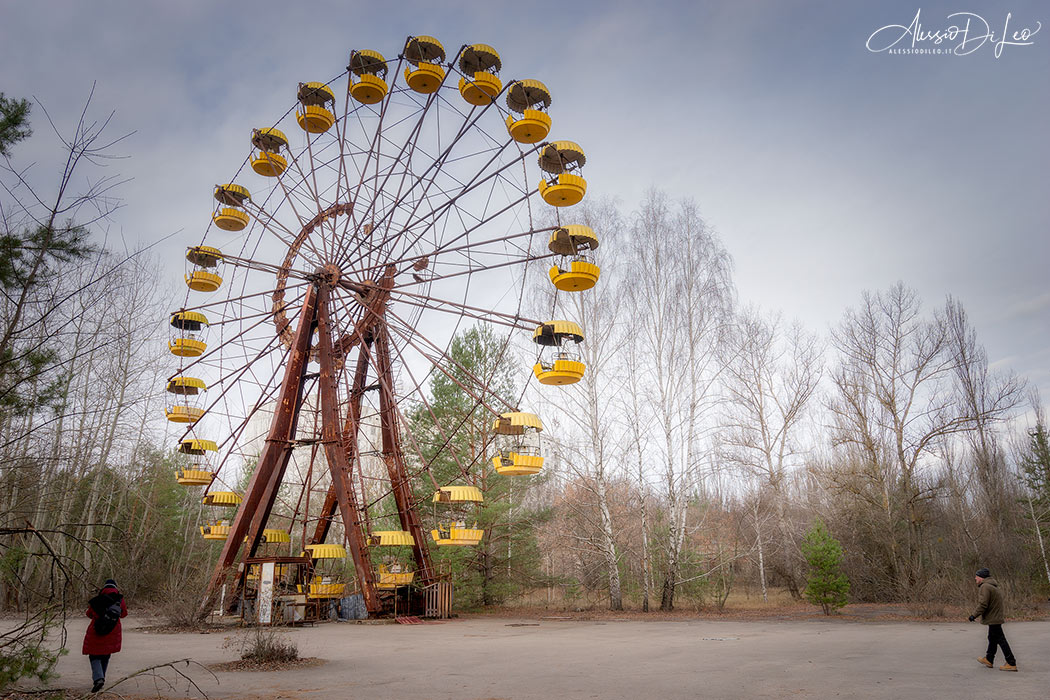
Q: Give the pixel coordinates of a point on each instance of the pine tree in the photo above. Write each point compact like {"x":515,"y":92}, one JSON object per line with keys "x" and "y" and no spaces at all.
{"x":1035,"y":465}
{"x":1035,"y":471}
{"x":456,"y":437}
{"x":36,"y":246}
{"x":826,"y":586}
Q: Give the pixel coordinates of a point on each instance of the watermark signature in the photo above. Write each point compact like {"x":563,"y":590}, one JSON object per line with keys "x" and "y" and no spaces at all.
{"x":963,"y":33}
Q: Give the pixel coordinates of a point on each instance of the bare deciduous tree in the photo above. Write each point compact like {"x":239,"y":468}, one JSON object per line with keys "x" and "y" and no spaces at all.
{"x":896,"y":400}
{"x":772,"y":374}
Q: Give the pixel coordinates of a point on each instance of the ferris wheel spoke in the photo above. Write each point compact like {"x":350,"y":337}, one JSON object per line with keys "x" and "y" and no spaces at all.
{"x":425,"y":258}
{"x":516,"y":321}
{"x":444,"y":359}
{"x":272,"y":225}
{"x":238,"y":430}
{"x":468,"y":314}
{"x":426,"y":179}
{"x":341,"y":175}
{"x":316,"y":192}
{"x":438,"y":211}
{"x":411,"y":144}
{"x":230,"y":380}
{"x":418,"y":388}
{"x":479,"y":403}
{"x":260,"y":266}
{"x":442,"y":158}
{"x":408,"y":146}
{"x":480,"y":178}
{"x":341,"y":139}
{"x":375,"y":147}
{"x":288,"y":196}
{"x":224,"y":302}
{"x":474,"y":270}
{"x":386,"y":381}
{"x":469,"y":187}
{"x":216,"y":350}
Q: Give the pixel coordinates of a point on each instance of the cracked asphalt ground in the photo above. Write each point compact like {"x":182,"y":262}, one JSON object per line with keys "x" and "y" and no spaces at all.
{"x":530,"y":659}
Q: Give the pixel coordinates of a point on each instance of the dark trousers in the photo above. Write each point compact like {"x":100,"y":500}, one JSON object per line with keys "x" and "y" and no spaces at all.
{"x":99,"y":664}
{"x":997,"y":638}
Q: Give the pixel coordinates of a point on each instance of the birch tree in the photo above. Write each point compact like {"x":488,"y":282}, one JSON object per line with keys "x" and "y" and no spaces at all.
{"x":679,"y":301}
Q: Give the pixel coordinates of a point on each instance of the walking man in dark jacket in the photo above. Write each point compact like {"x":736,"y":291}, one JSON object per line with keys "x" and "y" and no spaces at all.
{"x":992,"y":613}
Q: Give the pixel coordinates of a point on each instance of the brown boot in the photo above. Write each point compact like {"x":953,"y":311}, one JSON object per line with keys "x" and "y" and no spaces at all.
{"x":985,"y":662}
{"x":1007,"y":667}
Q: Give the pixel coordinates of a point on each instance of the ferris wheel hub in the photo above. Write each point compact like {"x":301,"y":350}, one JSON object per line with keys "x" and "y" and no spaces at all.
{"x":329,"y":274}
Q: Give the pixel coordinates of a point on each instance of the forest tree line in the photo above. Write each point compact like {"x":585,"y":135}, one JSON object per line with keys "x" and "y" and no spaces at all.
{"x":708,"y":436}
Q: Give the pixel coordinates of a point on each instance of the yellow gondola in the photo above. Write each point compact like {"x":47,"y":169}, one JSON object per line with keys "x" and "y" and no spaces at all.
{"x":370,"y":68}
{"x":228,"y":215}
{"x":187,"y":389}
{"x":323,"y":587}
{"x":216,"y":531}
{"x":326,"y":551}
{"x":518,"y":452}
{"x":231,"y":195}
{"x":197,"y":473}
{"x":190,"y":327}
{"x":275,"y":536}
{"x":222,"y":499}
{"x":193,"y":446}
{"x":479,"y":63}
{"x":204,"y":262}
{"x":564,"y":188}
{"x":518,"y":462}
{"x":280,"y":571}
{"x":389,"y":577}
{"x":425,"y":53}
{"x":457,"y":534}
{"x":315,"y":117}
{"x":574,"y":272}
{"x":529,"y":98}
{"x":194,"y":477}
{"x":391,"y":538}
{"x":230,"y":219}
{"x":266,"y":159}
{"x":458,"y":494}
{"x":559,"y":366}
{"x":183,"y":414}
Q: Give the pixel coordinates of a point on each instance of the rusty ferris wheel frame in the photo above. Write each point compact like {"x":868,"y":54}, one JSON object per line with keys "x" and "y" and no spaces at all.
{"x":361,"y":252}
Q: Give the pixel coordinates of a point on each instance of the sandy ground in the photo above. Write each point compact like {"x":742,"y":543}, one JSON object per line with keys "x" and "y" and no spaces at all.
{"x":536,"y":659}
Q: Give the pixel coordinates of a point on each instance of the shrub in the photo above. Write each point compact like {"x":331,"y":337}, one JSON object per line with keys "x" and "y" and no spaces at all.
{"x":265,"y":646}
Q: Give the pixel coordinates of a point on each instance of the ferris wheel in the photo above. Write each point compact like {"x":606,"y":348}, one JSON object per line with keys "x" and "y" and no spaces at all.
{"x":387,"y":210}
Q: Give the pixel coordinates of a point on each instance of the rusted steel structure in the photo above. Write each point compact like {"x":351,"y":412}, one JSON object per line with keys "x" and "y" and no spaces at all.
{"x":338,"y":437}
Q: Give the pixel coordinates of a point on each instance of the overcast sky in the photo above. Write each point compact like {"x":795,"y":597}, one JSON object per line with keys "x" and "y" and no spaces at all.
{"x":827,"y":168}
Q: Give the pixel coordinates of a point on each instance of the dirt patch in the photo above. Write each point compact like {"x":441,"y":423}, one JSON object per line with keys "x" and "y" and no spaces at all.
{"x":184,"y":629}
{"x":249,"y":665}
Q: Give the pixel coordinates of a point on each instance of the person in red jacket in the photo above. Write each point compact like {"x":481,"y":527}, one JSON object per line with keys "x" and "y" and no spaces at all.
{"x":103,"y":633}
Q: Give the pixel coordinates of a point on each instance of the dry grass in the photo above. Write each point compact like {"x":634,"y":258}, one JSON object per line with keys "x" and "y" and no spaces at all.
{"x":746,"y":605}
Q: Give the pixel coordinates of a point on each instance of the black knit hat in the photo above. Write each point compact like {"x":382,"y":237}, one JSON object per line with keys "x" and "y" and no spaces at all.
{"x":983,"y":573}
{"x":110,"y":583}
